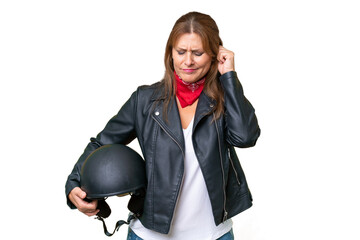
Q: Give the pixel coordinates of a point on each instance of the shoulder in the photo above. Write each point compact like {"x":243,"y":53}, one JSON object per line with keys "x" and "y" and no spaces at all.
{"x":152,"y":87}
{"x":145,"y":96}
{"x":150,"y":92}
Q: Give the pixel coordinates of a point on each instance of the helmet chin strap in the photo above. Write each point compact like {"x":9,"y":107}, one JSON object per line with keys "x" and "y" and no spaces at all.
{"x":117,"y":226}
{"x":135,"y":205}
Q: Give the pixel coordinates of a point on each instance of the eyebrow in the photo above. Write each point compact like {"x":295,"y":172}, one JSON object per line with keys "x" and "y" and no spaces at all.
{"x":193,"y":50}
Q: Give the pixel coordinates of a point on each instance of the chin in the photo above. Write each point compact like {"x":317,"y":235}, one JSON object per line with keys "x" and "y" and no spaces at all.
{"x":189,"y":78}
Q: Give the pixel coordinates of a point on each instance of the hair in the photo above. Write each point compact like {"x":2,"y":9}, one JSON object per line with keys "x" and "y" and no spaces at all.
{"x":206,"y":28}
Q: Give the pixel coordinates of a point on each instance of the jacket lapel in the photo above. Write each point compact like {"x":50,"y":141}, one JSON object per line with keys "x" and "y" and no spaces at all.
{"x":203,"y":108}
{"x":172,"y":126}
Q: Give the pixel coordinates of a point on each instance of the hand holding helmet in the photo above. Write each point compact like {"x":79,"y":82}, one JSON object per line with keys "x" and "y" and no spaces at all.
{"x":78,"y":198}
{"x":111,"y":170}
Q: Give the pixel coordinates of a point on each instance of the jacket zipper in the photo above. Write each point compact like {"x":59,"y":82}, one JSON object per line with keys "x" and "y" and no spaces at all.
{"x":222,"y":169}
{"x":232,"y":164}
{"x":182,"y":151}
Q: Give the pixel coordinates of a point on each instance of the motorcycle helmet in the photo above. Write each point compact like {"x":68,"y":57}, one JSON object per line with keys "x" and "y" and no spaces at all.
{"x":114,"y":170}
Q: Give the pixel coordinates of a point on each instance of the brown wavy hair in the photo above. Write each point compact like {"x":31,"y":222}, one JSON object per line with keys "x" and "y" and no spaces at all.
{"x":206,"y":28}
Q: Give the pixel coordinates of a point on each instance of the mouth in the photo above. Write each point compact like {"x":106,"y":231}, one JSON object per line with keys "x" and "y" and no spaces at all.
{"x":189,"y":70}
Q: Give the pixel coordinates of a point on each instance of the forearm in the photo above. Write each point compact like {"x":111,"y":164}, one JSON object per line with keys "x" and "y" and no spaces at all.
{"x":119,"y":130}
{"x":242,"y":129}
{"x":73,"y":179}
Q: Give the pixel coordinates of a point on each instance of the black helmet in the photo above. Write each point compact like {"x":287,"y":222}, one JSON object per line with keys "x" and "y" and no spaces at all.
{"x":114,"y":170}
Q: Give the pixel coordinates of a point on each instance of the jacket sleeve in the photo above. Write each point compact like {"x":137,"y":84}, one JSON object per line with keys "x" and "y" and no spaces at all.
{"x":241,"y":125}
{"x":120,"y":129}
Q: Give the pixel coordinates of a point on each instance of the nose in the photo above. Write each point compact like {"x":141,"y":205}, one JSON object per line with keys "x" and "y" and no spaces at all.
{"x":188,"y":59}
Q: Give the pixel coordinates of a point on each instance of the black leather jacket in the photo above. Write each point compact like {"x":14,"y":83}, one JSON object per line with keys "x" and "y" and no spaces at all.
{"x":162,"y":145}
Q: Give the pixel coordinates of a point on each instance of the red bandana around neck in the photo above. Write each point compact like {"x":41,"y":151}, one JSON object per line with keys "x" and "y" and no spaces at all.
{"x":187,"y":93}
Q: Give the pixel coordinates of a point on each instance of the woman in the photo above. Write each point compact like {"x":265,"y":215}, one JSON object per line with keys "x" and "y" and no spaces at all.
{"x":187,"y":126}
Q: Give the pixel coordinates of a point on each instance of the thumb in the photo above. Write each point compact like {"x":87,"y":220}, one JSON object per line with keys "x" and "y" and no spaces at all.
{"x":81,"y":193}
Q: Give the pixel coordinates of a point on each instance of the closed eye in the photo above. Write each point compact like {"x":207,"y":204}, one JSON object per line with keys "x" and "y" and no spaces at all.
{"x":196,"y":53}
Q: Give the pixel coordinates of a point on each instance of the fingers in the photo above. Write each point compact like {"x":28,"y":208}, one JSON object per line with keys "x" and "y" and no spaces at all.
{"x":221,"y":56}
{"x":77,"y":197}
{"x":224,"y":54}
{"x":226,"y":60}
{"x":91,"y":213}
{"x":88,"y":208}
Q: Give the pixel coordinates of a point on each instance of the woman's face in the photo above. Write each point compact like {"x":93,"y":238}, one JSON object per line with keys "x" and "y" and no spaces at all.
{"x":191,"y":63}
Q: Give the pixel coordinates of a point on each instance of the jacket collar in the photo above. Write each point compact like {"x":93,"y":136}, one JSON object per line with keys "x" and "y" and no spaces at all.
{"x":204,"y":107}
{"x":173,"y":124}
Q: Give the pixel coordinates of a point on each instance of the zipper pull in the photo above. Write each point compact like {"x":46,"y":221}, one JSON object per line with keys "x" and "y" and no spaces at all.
{"x":225,"y":216}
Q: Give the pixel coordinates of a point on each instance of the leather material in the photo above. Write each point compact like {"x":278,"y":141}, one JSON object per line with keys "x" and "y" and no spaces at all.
{"x":163,"y":148}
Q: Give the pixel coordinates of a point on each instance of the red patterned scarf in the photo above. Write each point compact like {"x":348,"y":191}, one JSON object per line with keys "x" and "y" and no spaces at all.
{"x":187,"y":93}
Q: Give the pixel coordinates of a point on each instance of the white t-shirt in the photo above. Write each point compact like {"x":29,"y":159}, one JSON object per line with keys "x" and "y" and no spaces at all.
{"x":193,"y":217}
